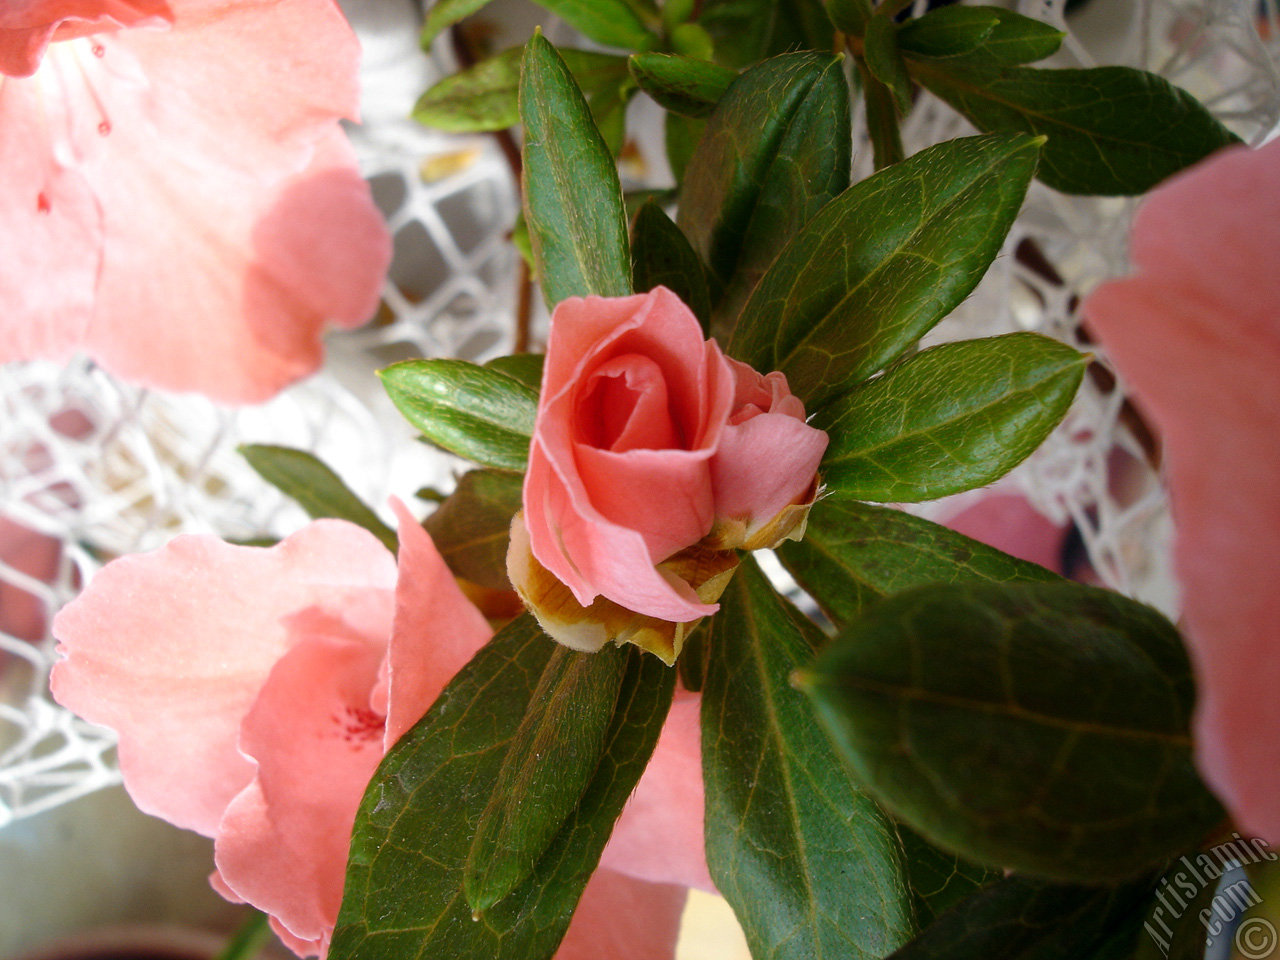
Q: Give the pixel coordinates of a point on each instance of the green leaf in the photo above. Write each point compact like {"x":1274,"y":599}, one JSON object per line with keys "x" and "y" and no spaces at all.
{"x":682,"y":136}
{"x":475,"y":412}
{"x":445,"y":13}
{"x":883,"y":263}
{"x":1112,"y":130}
{"x":880,"y":51}
{"x":853,"y":554}
{"x":938,"y":880}
{"x":1042,"y":727}
{"x":689,"y":87}
{"x":314,"y":485}
{"x":741,"y":29}
{"x":998,"y":37}
{"x":549,"y":766}
{"x":662,"y":256}
{"x":691,"y":40}
{"x":615,"y":23}
{"x":572,"y":195}
{"x":810,"y":865}
{"x":775,"y":151}
{"x":486,"y":97}
{"x":525,"y":367}
{"x":472,"y":527}
{"x":849,"y":16}
{"x":404,"y":898}
{"x":883,"y":122}
{"x":952,"y":418}
{"x":1018,"y":918}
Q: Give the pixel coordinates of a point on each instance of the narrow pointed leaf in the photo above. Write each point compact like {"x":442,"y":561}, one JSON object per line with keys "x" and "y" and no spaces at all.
{"x":854,"y":554}
{"x":476,"y":412}
{"x":472,"y":527}
{"x":1042,"y":727}
{"x":683,"y":85}
{"x":486,"y":96}
{"x":810,"y":865}
{"x":549,"y":765}
{"x":992,"y":35}
{"x":313,"y":484}
{"x":662,"y":256}
{"x":404,"y":896}
{"x":949,"y":419}
{"x":615,"y":23}
{"x":1113,"y":131}
{"x":444,"y":14}
{"x":885,"y":62}
{"x":572,"y":195}
{"x":882,"y":264}
{"x":775,"y":151}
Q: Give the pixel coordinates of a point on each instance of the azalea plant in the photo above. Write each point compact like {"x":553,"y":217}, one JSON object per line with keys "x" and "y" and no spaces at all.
{"x":950,"y":751}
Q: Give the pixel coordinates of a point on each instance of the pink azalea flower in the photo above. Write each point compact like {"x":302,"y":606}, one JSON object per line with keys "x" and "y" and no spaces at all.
{"x":255,"y":691}
{"x":176,"y":195}
{"x":1196,"y":334}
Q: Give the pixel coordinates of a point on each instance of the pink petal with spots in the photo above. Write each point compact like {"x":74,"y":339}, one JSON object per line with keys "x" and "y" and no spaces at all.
{"x":621,"y":918}
{"x":1196,"y":334}
{"x":215,"y":619}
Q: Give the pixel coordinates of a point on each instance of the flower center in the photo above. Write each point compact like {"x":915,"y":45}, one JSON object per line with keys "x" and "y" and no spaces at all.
{"x":359,"y":725}
{"x":625,"y":406}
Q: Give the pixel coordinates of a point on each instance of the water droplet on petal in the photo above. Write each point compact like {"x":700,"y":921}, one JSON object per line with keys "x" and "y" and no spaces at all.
{"x":104,"y":128}
{"x":99,"y":50}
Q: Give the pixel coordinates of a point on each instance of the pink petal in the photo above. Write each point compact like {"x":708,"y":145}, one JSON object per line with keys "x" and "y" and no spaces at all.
{"x":620,"y":918}
{"x":764,"y":465}
{"x":215,"y":618}
{"x":27,"y":26}
{"x":282,"y":844}
{"x":1197,"y":336}
{"x":1010,"y":523}
{"x":437,"y":630}
{"x":659,"y":837}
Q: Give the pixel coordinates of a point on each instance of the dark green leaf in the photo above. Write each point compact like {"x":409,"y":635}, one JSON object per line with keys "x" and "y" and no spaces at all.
{"x":445,"y":13}
{"x":880,"y":51}
{"x":689,"y":87}
{"x":549,"y":766}
{"x":801,"y":25}
{"x":1018,"y":918}
{"x":853,"y":554}
{"x":486,"y":96}
{"x":682,"y":136}
{"x":810,"y":865}
{"x":883,"y":263}
{"x":883,"y":122}
{"x":475,"y":412}
{"x":775,"y":151}
{"x":938,"y":880}
{"x":952,"y":418}
{"x":316,"y":488}
{"x":1112,"y":130}
{"x":662,"y":256}
{"x":992,"y":35}
{"x":572,"y":196}
{"x":1042,"y":727}
{"x":404,"y":897}
{"x":741,"y":29}
{"x":525,"y":367}
{"x":615,"y":23}
{"x":849,"y":16}
{"x":472,"y":527}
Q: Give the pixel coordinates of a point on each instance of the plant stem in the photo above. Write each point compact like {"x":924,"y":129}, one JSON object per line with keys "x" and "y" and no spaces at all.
{"x":249,"y":939}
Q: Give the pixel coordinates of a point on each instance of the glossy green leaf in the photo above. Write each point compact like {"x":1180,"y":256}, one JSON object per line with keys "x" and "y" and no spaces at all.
{"x":682,"y":135}
{"x":472,"y":527}
{"x":486,"y":96}
{"x":689,"y":87}
{"x":854,"y":554}
{"x":952,"y":418}
{"x":549,"y":766}
{"x":1112,"y":130}
{"x":938,"y":880}
{"x":880,"y":51}
{"x":662,"y":256}
{"x":525,"y":367}
{"x":476,"y":412}
{"x":314,"y":485}
{"x":1018,"y":918}
{"x":1042,"y":727}
{"x":615,"y":23}
{"x":883,"y":263}
{"x":849,"y":16}
{"x":810,"y":865}
{"x":572,"y":195}
{"x":444,"y":14}
{"x":775,"y":151}
{"x":404,"y":898}
{"x":991,"y":34}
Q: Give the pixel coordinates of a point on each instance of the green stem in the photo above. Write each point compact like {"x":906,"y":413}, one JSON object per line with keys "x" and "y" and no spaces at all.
{"x":882,"y":119}
{"x":249,"y":939}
